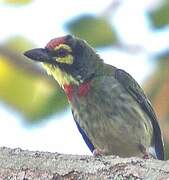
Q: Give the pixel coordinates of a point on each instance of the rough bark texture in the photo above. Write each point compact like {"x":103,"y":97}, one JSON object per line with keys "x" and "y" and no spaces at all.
{"x":27,"y":165}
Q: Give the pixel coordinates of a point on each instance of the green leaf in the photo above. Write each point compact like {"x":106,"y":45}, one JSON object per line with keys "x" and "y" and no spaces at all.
{"x":97,"y":31}
{"x":19,"y":43}
{"x":17,"y":2}
{"x":35,"y":97}
{"x":160,"y":16}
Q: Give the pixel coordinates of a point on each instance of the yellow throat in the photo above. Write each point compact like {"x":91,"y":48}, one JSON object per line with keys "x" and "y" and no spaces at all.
{"x":60,"y":76}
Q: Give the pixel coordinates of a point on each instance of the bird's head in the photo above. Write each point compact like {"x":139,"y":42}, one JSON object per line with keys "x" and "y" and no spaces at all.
{"x":69,"y":59}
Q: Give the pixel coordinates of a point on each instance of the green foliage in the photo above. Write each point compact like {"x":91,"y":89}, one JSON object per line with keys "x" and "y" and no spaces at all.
{"x":17,"y":2}
{"x":160,"y":16}
{"x":34,"y":95}
{"x":97,"y":31}
{"x":19,"y":43}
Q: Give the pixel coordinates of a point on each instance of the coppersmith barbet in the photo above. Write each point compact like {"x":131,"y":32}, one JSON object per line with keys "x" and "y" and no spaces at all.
{"x":110,"y":109}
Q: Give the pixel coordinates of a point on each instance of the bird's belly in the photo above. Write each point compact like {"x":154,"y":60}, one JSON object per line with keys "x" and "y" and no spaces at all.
{"x":112,"y":119}
{"x":119,"y":130}
{"x":116,"y":138}
{"x":122,"y":142}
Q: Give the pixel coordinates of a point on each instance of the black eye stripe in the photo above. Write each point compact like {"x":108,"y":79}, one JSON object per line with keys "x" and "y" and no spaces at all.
{"x":60,"y":52}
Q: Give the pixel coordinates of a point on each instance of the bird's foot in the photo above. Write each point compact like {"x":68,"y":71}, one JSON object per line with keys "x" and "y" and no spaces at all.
{"x":98,"y":152}
{"x":146,"y":155}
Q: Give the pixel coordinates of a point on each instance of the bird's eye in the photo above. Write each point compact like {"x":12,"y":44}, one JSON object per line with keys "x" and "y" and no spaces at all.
{"x":61,"y":52}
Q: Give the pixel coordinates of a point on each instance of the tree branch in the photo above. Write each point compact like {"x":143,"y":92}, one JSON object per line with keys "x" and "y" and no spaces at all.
{"x":20,"y":164}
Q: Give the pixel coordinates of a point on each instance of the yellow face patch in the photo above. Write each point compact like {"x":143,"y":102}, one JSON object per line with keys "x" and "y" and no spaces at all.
{"x":64,"y":46}
{"x":67,"y":59}
{"x":60,"y":76}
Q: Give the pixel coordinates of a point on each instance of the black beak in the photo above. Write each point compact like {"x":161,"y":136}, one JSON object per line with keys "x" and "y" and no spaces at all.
{"x":39,"y":54}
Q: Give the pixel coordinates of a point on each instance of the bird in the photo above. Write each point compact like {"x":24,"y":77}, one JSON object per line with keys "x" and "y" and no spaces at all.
{"x":110,"y":109}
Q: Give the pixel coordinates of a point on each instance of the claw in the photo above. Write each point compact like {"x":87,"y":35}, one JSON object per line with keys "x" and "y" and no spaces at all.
{"x":98,"y":152}
{"x":146,"y":154}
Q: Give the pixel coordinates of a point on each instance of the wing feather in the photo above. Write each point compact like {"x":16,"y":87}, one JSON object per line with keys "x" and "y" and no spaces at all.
{"x":138,"y":94}
{"x":84,"y":135}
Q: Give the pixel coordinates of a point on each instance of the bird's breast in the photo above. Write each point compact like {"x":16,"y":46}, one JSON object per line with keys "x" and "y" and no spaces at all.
{"x":110,"y":117}
{"x":77,"y":90}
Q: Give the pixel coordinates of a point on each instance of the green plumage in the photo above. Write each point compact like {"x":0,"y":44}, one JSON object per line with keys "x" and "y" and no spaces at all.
{"x":114,"y":115}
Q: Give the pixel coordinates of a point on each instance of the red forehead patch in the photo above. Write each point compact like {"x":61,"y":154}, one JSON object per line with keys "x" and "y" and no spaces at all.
{"x":55,"y":42}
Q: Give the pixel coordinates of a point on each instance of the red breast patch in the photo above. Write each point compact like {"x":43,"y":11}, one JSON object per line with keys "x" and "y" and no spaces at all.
{"x":84,"y":89}
{"x":81,"y":90}
{"x":69,"y":91}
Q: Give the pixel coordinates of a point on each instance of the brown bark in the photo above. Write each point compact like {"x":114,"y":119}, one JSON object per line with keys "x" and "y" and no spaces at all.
{"x":22,"y":164}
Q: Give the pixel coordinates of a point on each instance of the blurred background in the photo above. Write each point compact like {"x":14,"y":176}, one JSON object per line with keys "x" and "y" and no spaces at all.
{"x":132,"y":35}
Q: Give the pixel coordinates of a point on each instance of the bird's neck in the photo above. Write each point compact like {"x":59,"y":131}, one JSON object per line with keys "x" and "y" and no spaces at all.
{"x":80,"y":90}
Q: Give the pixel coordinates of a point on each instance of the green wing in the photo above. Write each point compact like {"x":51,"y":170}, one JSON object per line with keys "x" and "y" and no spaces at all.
{"x":138,"y":94}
